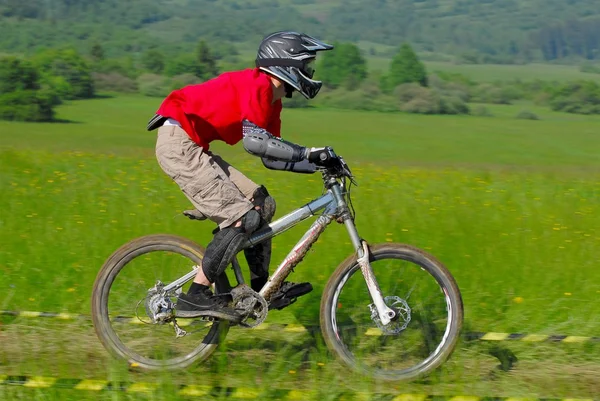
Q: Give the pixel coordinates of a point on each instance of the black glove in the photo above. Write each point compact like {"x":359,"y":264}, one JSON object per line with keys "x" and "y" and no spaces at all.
{"x":324,"y":157}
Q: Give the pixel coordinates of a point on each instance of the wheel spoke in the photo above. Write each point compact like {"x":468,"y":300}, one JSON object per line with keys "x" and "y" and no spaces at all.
{"x":425,"y":330}
{"x":123,"y":314}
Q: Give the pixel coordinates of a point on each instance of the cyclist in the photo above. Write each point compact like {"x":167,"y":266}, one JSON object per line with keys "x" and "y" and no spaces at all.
{"x":237,"y":106}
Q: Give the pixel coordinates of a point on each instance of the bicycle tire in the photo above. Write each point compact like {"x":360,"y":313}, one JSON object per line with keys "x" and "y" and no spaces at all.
{"x":426,"y":262}
{"x":106,"y":278}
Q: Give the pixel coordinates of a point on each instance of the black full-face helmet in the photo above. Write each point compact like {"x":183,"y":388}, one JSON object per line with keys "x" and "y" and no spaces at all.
{"x":290,"y":57}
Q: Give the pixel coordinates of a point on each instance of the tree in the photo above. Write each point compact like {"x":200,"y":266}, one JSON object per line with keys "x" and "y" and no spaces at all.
{"x":405,"y":68}
{"x":21,"y":96}
{"x":224,"y":51}
{"x":206,"y":61}
{"x":344,"y":65}
{"x":97,"y":52}
{"x":16,"y":75}
{"x":201,"y":64}
{"x":183,"y":64}
{"x":153,"y":61}
{"x":66,"y":71}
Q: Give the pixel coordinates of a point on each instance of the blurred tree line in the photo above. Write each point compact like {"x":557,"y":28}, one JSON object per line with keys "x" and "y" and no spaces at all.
{"x":31,"y":87}
{"x":480,"y":31}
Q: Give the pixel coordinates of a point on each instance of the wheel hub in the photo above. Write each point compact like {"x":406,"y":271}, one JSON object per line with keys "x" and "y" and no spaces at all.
{"x":159,"y":307}
{"x":399,"y":322}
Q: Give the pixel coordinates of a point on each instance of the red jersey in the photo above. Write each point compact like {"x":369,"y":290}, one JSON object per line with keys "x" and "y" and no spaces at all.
{"x":215,"y":109}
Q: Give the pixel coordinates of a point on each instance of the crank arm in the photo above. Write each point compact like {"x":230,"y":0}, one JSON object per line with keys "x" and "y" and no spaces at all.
{"x":385,"y":314}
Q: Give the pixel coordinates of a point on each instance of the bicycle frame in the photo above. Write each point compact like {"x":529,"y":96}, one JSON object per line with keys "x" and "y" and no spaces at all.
{"x":334,"y":207}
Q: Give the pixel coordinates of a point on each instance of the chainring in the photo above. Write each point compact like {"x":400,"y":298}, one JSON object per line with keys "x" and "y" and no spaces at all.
{"x":250,"y":304}
{"x":400,"y":321}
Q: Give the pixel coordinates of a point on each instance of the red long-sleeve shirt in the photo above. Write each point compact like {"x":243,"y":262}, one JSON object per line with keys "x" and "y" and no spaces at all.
{"x":214,"y":110}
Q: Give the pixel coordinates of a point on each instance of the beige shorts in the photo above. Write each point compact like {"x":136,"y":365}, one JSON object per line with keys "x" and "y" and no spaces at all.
{"x":213,"y":186}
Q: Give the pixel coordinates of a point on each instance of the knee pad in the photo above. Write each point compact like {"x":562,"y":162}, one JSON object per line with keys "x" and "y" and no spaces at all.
{"x":266,"y":202}
{"x":226,"y":244}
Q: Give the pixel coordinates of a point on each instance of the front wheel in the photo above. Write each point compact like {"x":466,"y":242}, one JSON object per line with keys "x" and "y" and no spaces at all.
{"x":124,"y":290}
{"x":429,"y":314}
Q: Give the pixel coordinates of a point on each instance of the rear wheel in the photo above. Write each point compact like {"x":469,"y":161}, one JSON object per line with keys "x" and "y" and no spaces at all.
{"x":122,"y":293}
{"x":428,"y":307}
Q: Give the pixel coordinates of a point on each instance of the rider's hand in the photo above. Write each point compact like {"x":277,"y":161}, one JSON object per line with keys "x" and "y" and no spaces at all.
{"x":324,"y":157}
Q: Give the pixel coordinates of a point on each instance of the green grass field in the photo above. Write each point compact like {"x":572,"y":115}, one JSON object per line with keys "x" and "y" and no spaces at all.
{"x":510,"y":206}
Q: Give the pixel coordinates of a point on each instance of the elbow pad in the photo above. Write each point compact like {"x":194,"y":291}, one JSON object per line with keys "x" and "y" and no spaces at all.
{"x":259,"y":142}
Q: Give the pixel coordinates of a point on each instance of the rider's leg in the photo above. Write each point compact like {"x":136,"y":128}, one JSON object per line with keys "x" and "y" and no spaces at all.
{"x":201,"y":278}
{"x":259,"y":256}
{"x":226,"y":243}
{"x":211,"y":191}
{"x":245,"y":185}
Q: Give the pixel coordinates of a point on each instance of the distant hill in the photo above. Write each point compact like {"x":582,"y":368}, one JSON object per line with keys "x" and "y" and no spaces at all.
{"x":476,"y":30}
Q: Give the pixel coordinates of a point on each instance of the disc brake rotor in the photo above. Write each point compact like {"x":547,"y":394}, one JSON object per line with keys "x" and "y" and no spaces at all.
{"x":400,"y":321}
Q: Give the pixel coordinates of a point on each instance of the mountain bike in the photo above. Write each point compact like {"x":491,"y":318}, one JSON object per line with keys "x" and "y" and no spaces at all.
{"x":389,"y":310}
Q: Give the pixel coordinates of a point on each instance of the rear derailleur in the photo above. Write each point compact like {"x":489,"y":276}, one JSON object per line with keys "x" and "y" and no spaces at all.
{"x":161,"y":309}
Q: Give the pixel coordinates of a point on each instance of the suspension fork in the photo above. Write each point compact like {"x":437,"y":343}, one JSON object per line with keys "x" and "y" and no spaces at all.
{"x":386,"y":314}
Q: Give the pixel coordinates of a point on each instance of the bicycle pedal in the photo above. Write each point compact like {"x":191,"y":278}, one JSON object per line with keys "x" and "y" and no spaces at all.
{"x":298,"y":290}
{"x":282,"y":303}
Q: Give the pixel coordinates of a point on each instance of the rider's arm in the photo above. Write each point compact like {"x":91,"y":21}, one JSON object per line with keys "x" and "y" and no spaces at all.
{"x":261,"y":143}
{"x":303,"y":166}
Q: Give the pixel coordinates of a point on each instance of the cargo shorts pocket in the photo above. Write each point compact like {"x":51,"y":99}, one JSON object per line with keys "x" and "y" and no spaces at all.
{"x":213,"y":196}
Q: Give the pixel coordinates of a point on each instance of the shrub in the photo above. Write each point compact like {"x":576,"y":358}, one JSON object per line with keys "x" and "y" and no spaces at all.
{"x":527,"y":115}
{"x":454,"y":89}
{"x":406,"y":92}
{"x":413,"y":98}
{"x":296,"y":102}
{"x":582,"y":97}
{"x":124,"y":67}
{"x":114,"y":82}
{"x":26,"y":105}
{"x":427,"y":104}
{"x":488,"y":93}
{"x":366,"y":97}
{"x":482,"y":111}
{"x":452,"y":105}
{"x":179,"y":81}
{"x":21,"y":96}
{"x":590,"y":68}
{"x":153,"y":85}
